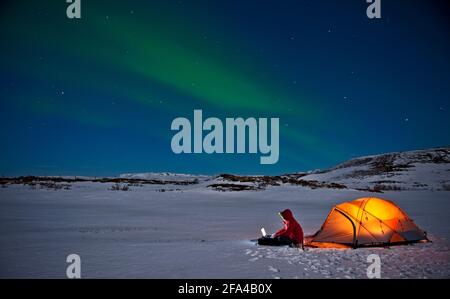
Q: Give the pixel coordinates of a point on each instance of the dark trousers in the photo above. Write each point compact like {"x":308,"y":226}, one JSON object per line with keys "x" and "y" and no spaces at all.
{"x":277,"y":241}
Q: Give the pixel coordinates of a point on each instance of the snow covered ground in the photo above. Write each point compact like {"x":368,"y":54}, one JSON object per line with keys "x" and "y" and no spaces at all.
{"x":413,"y":170}
{"x":193,"y":231}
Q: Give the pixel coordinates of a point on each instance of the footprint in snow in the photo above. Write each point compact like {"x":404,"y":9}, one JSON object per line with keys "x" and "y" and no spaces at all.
{"x":255,"y":253}
{"x":273,"y":269}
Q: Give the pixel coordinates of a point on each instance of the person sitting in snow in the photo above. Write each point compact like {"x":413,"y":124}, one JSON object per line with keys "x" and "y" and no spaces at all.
{"x":291,"y":234}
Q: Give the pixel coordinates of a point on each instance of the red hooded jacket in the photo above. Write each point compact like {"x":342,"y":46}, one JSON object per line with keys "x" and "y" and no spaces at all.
{"x":292,"y":228}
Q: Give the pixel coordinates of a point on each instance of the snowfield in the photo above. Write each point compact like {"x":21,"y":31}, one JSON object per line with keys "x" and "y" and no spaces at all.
{"x":193,"y":231}
{"x":164,"y":225}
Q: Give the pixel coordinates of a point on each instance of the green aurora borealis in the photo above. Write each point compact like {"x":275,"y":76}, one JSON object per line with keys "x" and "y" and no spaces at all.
{"x":97,"y":95}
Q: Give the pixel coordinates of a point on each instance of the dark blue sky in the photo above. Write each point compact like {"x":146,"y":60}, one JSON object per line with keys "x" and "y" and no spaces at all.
{"x":96,"y":96}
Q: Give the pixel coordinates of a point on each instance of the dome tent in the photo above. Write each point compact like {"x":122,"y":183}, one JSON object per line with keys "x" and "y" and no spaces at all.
{"x":367,"y":221}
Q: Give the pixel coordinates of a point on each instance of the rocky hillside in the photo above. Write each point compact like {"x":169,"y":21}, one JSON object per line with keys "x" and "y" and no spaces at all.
{"x":412,"y":170}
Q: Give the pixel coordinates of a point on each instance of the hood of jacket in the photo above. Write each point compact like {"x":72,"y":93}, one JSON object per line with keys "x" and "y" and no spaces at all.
{"x":287,"y":215}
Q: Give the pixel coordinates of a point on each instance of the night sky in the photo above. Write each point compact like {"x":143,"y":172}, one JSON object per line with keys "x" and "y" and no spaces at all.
{"x":96,"y":96}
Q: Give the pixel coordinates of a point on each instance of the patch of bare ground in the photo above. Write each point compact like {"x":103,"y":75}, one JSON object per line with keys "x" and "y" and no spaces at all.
{"x":233,"y":187}
{"x":260,"y":182}
{"x":33,"y":180}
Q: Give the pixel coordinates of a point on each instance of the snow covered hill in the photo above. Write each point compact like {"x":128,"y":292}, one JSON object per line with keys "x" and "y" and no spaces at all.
{"x":412,"y":170}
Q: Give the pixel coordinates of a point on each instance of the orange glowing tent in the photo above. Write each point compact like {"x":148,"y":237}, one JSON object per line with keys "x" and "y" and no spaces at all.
{"x":367,"y":221}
